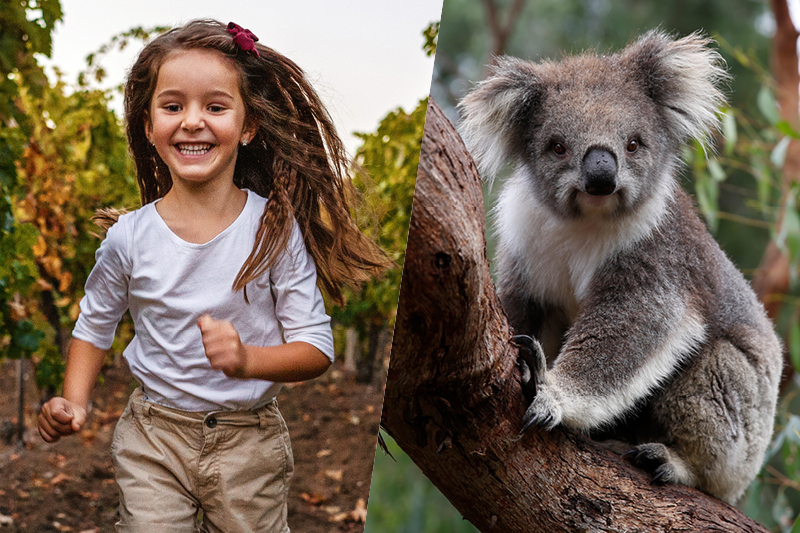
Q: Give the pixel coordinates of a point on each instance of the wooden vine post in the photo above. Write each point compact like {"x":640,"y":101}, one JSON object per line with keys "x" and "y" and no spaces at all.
{"x":453,"y":397}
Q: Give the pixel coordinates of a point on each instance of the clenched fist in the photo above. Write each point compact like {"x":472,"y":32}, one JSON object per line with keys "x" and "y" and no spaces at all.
{"x":60,"y":417}
{"x":223,"y":346}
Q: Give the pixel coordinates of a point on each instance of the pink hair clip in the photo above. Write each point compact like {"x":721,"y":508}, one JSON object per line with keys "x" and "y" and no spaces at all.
{"x":244,"y":39}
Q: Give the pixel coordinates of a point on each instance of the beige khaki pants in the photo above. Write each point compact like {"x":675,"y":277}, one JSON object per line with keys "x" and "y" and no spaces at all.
{"x":170,"y":464}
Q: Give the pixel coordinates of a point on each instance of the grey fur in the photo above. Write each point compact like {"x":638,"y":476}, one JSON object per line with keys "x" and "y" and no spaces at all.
{"x":653,"y":338}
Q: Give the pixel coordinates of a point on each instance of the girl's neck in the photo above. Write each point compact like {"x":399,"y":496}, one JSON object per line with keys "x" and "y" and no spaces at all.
{"x":198,"y":214}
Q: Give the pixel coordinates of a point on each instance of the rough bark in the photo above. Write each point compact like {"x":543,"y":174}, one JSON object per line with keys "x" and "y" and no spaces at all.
{"x":453,"y":398}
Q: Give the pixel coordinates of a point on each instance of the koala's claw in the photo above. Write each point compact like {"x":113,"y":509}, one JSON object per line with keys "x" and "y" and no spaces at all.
{"x":544,"y":412}
{"x":661,"y":475}
{"x":654,"y":457}
{"x":532,"y":363}
{"x":535,"y":419}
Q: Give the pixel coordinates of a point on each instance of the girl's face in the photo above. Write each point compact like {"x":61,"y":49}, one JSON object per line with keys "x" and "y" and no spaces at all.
{"x":197,"y":116}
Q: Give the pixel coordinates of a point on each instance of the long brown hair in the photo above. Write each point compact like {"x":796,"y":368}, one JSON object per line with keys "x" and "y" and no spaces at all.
{"x":295,"y":159}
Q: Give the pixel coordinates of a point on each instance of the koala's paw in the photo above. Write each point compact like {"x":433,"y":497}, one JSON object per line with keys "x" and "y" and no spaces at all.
{"x":543,"y":412}
{"x":656,"y":457}
{"x":532,"y":363}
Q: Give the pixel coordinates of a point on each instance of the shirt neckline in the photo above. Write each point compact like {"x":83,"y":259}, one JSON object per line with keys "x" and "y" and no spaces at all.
{"x":176,"y":239}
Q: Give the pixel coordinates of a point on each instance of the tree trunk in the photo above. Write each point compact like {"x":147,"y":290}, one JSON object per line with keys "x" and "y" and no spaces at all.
{"x":20,"y":433}
{"x":453,"y":398}
{"x":352,"y":347}
{"x":771,"y":281}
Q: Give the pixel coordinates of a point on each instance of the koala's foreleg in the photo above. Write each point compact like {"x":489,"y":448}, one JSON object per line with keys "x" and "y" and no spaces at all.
{"x":621,"y":348}
{"x":533,"y":366}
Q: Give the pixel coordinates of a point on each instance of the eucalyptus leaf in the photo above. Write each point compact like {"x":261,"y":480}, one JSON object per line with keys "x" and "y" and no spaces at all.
{"x":729,"y":131}
{"x":778,"y":155}
{"x":767,"y":105}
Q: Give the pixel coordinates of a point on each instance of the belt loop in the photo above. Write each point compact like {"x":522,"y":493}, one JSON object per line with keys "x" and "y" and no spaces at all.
{"x":262,"y":417}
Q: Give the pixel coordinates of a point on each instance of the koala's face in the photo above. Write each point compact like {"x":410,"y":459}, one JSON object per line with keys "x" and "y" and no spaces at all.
{"x":596,"y":136}
{"x":596,"y":145}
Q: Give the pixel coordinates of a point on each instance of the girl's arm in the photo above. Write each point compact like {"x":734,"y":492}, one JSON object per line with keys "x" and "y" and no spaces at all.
{"x":293,"y":361}
{"x":66,"y":415}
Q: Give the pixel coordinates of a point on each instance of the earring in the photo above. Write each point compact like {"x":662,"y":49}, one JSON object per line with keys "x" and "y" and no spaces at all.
{"x":244,"y":142}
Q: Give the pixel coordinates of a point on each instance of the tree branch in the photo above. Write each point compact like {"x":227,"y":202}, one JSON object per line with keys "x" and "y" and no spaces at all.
{"x":454,"y":402}
{"x":501,"y":32}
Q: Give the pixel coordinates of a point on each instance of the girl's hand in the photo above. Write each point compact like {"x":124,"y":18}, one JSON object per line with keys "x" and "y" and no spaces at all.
{"x":60,"y":417}
{"x":223,"y":346}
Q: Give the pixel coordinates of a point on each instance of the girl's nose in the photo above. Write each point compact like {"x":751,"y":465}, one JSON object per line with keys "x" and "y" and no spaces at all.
{"x":193,"y":119}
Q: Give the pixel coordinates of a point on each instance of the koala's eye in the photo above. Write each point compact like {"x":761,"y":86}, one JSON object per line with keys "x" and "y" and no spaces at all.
{"x":559,"y":149}
{"x":633,"y":145}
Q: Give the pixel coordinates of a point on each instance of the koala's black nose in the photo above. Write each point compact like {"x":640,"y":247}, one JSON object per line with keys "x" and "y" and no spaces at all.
{"x":599,"y":172}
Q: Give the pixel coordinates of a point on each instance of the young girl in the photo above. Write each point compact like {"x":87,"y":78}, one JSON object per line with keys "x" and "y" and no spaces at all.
{"x":245,"y":209}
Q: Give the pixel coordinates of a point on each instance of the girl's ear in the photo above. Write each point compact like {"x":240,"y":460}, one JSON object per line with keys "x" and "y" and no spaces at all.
{"x":148,"y":127}
{"x":248,"y":134}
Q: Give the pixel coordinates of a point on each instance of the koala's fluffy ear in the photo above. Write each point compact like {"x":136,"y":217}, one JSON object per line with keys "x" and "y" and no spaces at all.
{"x":493,"y":114}
{"x":682,"y":77}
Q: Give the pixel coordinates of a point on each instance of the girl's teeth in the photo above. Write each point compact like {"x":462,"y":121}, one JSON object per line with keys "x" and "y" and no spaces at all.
{"x":193,"y":150}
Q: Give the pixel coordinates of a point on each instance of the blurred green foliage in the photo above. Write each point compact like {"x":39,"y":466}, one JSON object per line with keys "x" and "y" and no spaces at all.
{"x":25,"y":28}
{"x":390,"y":156}
{"x":402,"y":500}
{"x":65,"y":156}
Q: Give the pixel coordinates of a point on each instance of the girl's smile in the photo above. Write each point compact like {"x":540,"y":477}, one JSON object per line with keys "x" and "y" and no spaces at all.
{"x":197,"y":116}
{"x":193,"y":149}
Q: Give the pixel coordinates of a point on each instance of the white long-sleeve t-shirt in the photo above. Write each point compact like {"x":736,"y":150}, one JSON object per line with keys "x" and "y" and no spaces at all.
{"x":168,"y":284}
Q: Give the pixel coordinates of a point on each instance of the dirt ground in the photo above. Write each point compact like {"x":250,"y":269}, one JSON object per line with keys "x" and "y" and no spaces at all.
{"x":69,"y":486}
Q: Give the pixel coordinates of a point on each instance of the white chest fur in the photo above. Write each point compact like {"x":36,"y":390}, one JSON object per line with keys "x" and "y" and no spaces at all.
{"x":559,"y":257}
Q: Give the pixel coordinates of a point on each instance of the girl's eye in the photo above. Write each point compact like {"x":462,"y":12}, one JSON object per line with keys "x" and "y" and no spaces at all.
{"x":172,"y":108}
{"x":215,"y":108}
{"x":559,"y":149}
{"x":633,"y":146}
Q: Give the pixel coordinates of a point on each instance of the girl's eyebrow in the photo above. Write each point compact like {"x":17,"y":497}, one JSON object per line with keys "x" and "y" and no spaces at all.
{"x":218,"y":93}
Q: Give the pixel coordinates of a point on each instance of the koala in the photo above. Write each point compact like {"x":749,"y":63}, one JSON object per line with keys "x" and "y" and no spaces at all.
{"x":633,"y":326}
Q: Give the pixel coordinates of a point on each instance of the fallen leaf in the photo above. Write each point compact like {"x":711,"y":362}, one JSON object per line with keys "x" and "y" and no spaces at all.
{"x":324,"y":453}
{"x":91,"y":496}
{"x":58,"y":460}
{"x":335,"y":475}
{"x":339,"y":517}
{"x":22,"y":494}
{"x":359,"y":514}
{"x":88,"y":436}
{"x":61,"y":478}
{"x":313,"y":498}
{"x":370,"y":409}
{"x":94,"y":530}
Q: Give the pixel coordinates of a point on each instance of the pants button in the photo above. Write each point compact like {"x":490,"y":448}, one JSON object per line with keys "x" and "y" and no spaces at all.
{"x":211,"y":422}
